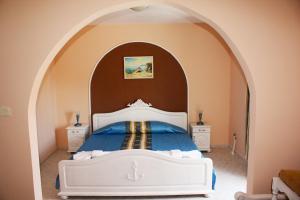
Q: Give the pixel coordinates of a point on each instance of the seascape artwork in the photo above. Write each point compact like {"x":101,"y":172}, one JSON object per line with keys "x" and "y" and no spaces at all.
{"x":138,"y":67}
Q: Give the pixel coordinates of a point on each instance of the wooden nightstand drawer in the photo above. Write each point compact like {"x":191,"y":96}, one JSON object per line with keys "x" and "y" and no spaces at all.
{"x":201,"y":136}
{"x":76,"y":137}
{"x":200,"y":129}
{"x":202,"y":141}
{"x":77,"y":132}
{"x":76,"y":142}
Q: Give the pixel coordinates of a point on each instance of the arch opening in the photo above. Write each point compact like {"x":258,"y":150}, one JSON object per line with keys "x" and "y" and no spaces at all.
{"x":71,"y":33}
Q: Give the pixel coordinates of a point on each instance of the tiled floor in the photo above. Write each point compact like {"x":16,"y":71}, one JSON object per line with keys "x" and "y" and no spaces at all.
{"x":231,"y":176}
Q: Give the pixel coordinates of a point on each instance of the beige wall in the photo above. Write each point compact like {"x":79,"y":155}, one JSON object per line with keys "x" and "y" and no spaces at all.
{"x":204,"y":59}
{"x":46,"y":108}
{"x":263,"y":34}
{"x":238,"y":108}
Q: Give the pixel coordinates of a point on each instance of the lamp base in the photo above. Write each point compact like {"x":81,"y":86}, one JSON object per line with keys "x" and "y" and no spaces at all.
{"x":200,"y":123}
{"x":77,"y":124}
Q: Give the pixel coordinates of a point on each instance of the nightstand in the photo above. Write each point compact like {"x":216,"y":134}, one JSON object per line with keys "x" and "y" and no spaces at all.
{"x":76,"y":136}
{"x":201,"y":136}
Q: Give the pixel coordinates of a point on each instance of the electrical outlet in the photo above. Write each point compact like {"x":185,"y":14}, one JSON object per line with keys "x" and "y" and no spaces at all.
{"x":5,"y":111}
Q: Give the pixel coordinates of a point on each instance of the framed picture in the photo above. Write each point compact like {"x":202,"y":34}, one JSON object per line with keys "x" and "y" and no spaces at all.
{"x":138,"y":67}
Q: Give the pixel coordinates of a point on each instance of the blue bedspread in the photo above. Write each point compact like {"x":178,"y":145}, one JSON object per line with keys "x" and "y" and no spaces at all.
{"x":160,"y":142}
{"x":108,"y":141}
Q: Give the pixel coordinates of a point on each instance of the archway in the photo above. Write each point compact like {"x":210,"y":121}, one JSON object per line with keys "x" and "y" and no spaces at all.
{"x":62,"y":42}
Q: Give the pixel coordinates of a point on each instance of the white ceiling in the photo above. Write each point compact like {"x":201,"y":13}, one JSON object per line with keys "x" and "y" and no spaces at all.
{"x":152,"y":15}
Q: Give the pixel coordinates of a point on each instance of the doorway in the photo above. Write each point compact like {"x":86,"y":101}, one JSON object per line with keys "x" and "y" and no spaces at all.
{"x":191,"y":118}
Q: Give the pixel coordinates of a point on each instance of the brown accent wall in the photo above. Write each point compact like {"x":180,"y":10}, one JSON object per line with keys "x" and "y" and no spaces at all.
{"x":111,"y":92}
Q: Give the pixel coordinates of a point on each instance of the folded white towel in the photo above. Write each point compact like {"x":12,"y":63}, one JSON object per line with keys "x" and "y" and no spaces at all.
{"x":176,"y":153}
{"x":191,"y":154}
{"x":97,"y":153}
{"x":167,"y":153}
{"x":83,"y":155}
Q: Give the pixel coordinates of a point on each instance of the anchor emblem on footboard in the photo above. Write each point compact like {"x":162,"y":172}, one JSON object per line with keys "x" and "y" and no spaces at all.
{"x":133,"y":175}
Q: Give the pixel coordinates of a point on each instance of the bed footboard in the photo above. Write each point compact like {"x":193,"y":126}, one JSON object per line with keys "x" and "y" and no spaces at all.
{"x":135,"y":173}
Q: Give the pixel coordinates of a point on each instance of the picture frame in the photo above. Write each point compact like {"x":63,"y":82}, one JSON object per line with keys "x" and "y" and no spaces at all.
{"x":138,"y":67}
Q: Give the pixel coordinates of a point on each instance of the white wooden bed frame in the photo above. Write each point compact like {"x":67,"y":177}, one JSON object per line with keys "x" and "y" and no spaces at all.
{"x":136,"y":172}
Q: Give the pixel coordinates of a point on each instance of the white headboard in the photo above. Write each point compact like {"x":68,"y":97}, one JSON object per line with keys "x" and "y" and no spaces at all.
{"x":140,"y":111}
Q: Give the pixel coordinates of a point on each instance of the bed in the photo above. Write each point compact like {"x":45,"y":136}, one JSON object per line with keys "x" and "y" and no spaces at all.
{"x":163,"y":169}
